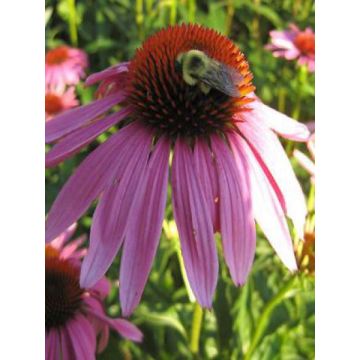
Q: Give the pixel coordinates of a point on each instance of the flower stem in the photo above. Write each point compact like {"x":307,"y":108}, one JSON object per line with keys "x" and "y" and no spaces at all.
{"x":191,"y":10}
{"x":229,"y":16}
{"x":72,"y":23}
{"x":282,"y":99}
{"x":173,"y":7}
{"x":310,"y":222}
{"x":184,"y":276}
{"x":301,"y":80}
{"x":140,"y":18}
{"x":286,"y":292}
{"x":196,"y":328}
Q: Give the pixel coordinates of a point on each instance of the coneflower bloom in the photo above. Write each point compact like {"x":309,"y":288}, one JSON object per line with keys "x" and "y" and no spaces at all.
{"x":228,"y":167}
{"x":65,"y":65}
{"x":308,"y":163}
{"x":76,"y":326}
{"x":294,"y":44}
{"x":57,"y":99}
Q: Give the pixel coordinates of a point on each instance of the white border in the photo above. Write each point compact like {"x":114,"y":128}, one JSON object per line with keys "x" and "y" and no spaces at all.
{"x":337,"y":180}
{"x":22,"y":179}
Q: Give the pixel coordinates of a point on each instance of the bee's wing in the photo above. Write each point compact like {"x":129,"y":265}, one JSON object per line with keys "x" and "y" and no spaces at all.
{"x":222,"y":78}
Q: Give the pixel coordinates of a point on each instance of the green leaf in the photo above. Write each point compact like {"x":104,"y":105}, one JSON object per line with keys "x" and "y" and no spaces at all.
{"x":168,"y":318}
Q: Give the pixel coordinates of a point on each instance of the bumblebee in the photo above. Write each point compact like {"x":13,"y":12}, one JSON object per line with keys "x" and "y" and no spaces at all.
{"x":199,"y":69}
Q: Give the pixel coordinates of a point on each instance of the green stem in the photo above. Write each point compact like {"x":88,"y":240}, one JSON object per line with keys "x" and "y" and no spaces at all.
{"x":229,"y":16}
{"x":192,"y":10}
{"x":196,"y":328}
{"x":310,"y":222}
{"x":140,"y":18}
{"x":311,"y":200}
{"x":282,"y":99}
{"x":301,"y":80}
{"x":266,"y":315}
{"x":184,"y":275}
{"x":173,"y":7}
{"x":72,"y":23}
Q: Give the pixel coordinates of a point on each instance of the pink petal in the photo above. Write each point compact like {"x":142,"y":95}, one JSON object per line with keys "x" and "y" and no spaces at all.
{"x":67,"y":350}
{"x":304,"y":161}
{"x":205,"y":167}
{"x":107,"y":73}
{"x":273,"y":155}
{"x":193,"y":218}
{"x":95,"y":306}
{"x":267,"y":209}
{"x":280,"y":123}
{"x":103,"y":339}
{"x":102,"y":288}
{"x":81,"y":137}
{"x":126,"y":329}
{"x":52,"y":345}
{"x":283,"y":43}
{"x":71,"y":120}
{"x":145,"y":223}
{"x":83,"y":337}
{"x":72,"y":249}
{"x":89,"y":179}
{"x":112,"y":213}
{"x":311,"y":126}
{"x":59,"y":242}
{"x":123,"y":327}
{"x":236,"y":217}
{"x":311,"y":145}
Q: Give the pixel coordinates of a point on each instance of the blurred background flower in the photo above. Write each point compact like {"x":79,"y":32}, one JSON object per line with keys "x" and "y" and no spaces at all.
{"x":65,"y":66}
{"x":76,"y":324}
{"x":58,"y":100}
{"x":294,"y":44}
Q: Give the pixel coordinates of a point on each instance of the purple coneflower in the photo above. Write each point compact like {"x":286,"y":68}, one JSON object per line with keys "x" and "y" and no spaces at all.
{"x":58,"y":100}
{"x":65,"y":66}
{"x":294,"y":44}
{"x":76,"y":326}
{"x":228,"y":167}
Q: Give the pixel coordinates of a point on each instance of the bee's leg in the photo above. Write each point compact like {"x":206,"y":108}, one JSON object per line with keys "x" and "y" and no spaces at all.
{"x":204,"y":88}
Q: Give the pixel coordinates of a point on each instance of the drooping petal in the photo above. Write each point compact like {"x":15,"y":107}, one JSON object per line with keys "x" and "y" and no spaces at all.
{"x":102,"y":288}
{"x":122,"y":326}
{"x":193,"y":219}
{"x":112,"y":213}
{"x":103,"y":338}
{"x":72,"y":119}
{"x":83,"y":337}
{"x":143,"y":232}
{"x":52,"y":345}
{"x":269,"y":148}
{"x":205,"y":167}
{"x":267,"y":209}
{"x":67,"y":350}
{"x":76,"y":140}
{"x":89,"y":179}
{"x":280,"y":123}
{"x":107,"y":73}
{"x":236,"y":217}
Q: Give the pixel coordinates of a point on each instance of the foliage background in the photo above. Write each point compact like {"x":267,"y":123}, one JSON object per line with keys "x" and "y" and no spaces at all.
{"x":272,"y":316}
